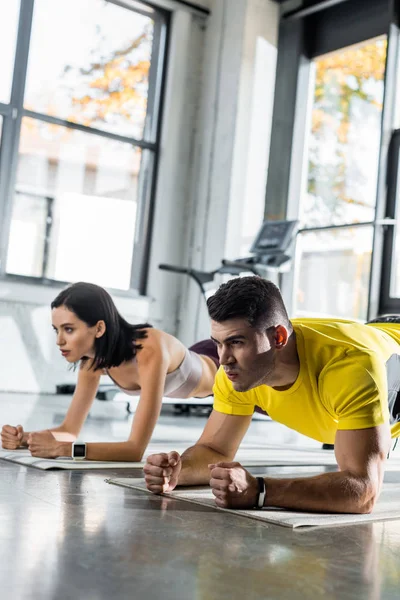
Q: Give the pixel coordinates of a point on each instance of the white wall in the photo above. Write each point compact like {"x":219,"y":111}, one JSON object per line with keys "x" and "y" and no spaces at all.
{"x":172,"y":212}
{"x":231,"y":155}
{"x":253,"y":131}
{"x":209,"y":132}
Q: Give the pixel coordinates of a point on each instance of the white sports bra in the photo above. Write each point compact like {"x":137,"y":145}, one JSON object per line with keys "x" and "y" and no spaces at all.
{"x":181,"y":382}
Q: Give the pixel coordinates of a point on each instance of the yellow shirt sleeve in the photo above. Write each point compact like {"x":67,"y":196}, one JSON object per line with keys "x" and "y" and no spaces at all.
{"x":354,"y":391}
{"x":229,"y":402}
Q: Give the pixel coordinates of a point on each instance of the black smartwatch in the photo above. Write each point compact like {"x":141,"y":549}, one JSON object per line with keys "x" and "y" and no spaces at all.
{"x":262,"y":490}
{"x":78,"y":450}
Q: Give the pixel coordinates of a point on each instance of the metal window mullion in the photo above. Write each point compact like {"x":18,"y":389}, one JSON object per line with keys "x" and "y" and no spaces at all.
{"x":90,"y":130}
{"x":49,"y":223}
{"x":143,"y":223}
{"x":300,"y":13}
{"x":8,"y":140}
{"x":171,"y":5}
{"x":155,"y":79}
{"x":12,"y":127}
{"x":384,"y":222}
{"x":126,"y":4}
{"x":149,"y":169}
{"x":195,"y":7}
{"x":5,"y":109}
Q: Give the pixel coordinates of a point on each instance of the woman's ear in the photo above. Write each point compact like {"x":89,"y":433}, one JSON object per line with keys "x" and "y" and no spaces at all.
{"x":100,"y":329}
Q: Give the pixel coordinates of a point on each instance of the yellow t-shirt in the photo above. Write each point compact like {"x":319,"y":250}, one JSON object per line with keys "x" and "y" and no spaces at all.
{"x":348,"y":371}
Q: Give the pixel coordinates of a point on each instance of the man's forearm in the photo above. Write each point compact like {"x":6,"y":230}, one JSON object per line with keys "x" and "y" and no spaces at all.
{"x":339,"y":492}
{"x":195,"y":461}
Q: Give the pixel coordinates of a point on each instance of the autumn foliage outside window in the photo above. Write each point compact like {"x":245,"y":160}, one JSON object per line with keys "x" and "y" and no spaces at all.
{"x":345,"y":135}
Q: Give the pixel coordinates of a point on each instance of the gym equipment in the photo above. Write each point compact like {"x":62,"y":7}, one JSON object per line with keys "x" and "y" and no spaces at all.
{"x":269,"y":258}
{"x":105,"y":392}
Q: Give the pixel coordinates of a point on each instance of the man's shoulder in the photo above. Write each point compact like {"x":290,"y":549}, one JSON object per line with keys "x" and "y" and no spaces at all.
{"x":324,"y":324}
{"x":340,"y":332}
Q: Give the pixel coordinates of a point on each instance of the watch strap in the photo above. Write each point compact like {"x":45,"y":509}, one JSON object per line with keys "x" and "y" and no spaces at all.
{"x":261,"y":493}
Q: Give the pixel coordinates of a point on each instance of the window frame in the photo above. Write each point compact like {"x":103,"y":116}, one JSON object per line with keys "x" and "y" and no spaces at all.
{"x":298,"y":45}
{"x":13,"y":113}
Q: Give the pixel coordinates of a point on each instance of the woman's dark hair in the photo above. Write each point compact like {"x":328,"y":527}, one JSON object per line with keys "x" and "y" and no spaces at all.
{"x":252,"y":298}
{"x":91,"y":303}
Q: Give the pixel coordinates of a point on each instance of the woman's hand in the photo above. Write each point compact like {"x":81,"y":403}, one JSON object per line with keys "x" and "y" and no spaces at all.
{"x":44,"y":445}
{"x":12,"y":438}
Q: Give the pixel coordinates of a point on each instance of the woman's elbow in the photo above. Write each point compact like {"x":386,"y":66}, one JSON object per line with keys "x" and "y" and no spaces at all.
{"x":134,"y":453}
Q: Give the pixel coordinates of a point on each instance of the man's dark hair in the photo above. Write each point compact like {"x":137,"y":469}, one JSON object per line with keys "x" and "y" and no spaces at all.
{"x":91,"y":303}
{"x":252,"y":298}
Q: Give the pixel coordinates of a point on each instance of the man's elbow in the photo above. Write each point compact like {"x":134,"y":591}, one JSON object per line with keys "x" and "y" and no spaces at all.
{"x":223,"y":456}
{"x":366,"y":507}
{"x":366,"y":498}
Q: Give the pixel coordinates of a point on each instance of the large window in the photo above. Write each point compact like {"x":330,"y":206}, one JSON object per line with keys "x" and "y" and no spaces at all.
{"x":334,"y":259}
{"x":80,"y":108}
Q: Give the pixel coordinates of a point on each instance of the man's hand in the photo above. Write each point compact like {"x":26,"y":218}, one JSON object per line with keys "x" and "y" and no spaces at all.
{"x":12,"y":438}
{"x":162,"y":472}
{"x":233,"y":486}
{"x":43,"y":444}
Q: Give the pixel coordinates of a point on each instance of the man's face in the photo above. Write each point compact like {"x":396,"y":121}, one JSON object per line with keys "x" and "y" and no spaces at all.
{"x":244,"y":352}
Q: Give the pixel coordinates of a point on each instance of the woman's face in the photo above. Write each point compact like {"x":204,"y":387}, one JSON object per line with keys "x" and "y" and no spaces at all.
{"x":74,"y":337}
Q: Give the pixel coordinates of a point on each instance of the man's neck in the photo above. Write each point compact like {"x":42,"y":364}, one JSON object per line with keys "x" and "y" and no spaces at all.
{"x":287,"y":366}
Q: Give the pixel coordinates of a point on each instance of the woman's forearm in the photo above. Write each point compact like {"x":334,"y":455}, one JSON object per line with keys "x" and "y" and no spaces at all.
{"x":119,"y":451}
{"x":115,"y":451}
{"x":64,"y":430}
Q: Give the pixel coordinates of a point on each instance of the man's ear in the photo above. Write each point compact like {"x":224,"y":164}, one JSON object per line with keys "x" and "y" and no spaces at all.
{"x":100,"y":329}
{"x":281,"y":336}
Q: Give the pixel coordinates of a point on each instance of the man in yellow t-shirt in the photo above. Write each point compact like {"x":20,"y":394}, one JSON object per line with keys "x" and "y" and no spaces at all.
{"x":333,"y":380}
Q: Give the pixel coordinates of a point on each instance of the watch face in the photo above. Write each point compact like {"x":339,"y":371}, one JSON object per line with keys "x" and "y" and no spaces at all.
{"x":79,"y":450}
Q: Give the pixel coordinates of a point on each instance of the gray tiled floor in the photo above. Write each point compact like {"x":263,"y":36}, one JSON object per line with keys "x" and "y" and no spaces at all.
{"x":70,"y":535}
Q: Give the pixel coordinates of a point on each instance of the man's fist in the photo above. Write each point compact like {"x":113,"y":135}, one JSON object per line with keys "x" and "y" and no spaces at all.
{"x":162,"y":472}
{"x":233,"y":486}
